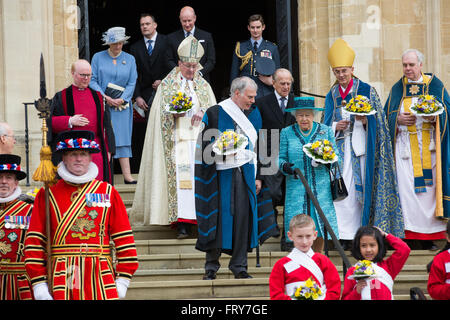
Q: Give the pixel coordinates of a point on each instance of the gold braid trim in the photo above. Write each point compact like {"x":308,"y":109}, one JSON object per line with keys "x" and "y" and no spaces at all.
{"x":244,"y":58}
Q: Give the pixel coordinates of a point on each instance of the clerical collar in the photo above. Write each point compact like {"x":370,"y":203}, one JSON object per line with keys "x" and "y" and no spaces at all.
{"x":69,"y":177}
{"x":420,"y":80}
{"x":78,"y":88}
{"x":13,"y":196}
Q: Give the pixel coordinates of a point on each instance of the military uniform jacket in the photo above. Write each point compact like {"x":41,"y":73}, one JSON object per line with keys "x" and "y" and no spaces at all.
{"x":243,"y":62}
{"x":84,"y":218}
{"x":14,"y":281}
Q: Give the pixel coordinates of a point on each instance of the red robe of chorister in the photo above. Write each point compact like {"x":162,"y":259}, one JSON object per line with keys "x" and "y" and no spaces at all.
{"x":82,"y":266}
{"x":393,"y":265}
{"x":279,"y":277}
{"x":439,"y":278}
{"x":14,"y":281}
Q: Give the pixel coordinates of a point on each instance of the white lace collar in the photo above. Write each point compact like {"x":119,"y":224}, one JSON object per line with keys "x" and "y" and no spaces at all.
{"x":13,"y":196}
{"x":69,"y":177}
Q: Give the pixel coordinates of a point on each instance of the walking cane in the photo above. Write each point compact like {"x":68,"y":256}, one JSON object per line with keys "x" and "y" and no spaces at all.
{"x":46,"y":171}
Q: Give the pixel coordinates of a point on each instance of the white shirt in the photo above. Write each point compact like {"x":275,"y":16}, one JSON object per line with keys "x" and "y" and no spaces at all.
{"x":279,"y":98}
{"x":151,"y":43}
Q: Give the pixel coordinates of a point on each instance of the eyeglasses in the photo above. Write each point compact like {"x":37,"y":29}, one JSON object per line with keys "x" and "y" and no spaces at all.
{"x":190,"y":66}
{"x":10,"y":136}
{"x":85,"y":75}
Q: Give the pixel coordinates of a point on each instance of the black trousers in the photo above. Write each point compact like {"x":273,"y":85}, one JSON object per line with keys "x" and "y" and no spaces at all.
{"x":241,"y":210}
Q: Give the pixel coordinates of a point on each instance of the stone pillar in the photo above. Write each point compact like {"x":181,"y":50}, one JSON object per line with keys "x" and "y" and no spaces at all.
{"x":29,"y":28}
{"x":379,"y":31}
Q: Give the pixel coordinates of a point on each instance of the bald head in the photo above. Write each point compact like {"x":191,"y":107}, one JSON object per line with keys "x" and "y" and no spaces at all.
{"x":81,"y":73}
{"x":187,"y":18}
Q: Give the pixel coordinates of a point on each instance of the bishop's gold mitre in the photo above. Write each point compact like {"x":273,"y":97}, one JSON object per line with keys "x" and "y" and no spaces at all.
{"x":341,"y":54}
{"x":190,"y":50}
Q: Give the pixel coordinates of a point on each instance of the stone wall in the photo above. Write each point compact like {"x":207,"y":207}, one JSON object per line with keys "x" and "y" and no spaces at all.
{"x":379,"y":31}
{"x":29,"y":28}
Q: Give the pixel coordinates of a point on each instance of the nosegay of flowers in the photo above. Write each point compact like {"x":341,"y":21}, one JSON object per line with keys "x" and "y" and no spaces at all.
{"x":359,"y":104}
{"x":309,"y":291}
{"x":364,"y":268}
{"x":180,"y":103}
{"x":426,"y":104}
{"x":229,"y":140}
{"x":322,"y":150}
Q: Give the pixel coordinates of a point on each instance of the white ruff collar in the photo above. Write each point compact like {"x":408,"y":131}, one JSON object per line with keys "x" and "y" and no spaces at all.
{"x":69,"y":177}
{"x":13,"y":196}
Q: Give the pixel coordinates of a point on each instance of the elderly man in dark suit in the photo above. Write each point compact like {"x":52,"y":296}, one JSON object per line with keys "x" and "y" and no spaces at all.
{"x":187,"y":20}
{"x":274,"y":118}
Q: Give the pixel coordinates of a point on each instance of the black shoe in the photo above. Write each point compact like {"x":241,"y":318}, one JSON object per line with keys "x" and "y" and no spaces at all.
{"x":183,"y":232}
{"x":209,"y":275}
{"x":346,"y":244}
{"x":130,"y":182}
{"x":429,"y":245}
{"x":243,"y":275}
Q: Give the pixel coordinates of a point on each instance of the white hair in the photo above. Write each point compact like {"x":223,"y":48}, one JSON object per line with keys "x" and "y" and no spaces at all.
{"x":241,"y":84}
{"x":3,"y":129}
{"x":420,"y":56}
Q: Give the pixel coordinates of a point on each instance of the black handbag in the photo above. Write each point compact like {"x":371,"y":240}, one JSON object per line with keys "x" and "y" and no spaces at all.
{"x":337,"y":185}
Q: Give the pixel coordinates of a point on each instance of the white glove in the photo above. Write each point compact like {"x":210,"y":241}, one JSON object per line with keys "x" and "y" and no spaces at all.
{"x":41,"y":292}
{"x":122,"y":286}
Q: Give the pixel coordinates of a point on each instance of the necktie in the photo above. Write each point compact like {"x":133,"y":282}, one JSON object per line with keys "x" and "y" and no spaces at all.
{"x":283,"y":103}
{"x":187,"y":34}
{"x":255,"y":46}
{"x":149,"y":48}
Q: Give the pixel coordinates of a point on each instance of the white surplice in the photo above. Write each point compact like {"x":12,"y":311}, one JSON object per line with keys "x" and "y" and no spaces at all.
{"x":349,"y":210}
{"x":418,"y":208}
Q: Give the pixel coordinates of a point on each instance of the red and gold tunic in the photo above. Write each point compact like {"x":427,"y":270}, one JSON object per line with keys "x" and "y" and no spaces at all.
{"x":14,"y":281}
{"x":84,"y":219}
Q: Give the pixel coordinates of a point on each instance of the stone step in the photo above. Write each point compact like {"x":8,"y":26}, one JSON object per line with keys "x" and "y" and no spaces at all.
{"x":163,"y":246}
{"x":143,"y":275}
{"x":267,"y":259}
{"x":234,"y":288}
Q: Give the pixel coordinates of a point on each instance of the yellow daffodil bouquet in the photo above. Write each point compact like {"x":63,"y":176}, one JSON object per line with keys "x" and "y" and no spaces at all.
{"x":310,"y":290}
{"x":179,"y":103}
{"x":359,"y":105}
{"x":427,"y":105}
{"x":321,"y":151}
{"x":229,"y":142}
{"x":363,"y":269}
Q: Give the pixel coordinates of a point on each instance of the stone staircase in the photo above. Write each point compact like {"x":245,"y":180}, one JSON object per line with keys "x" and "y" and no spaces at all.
{"x":172,"y":269}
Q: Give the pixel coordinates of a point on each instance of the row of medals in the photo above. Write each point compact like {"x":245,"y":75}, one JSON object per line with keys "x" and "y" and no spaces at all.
{"x":98,"y":200}
{"x":17,"y":222}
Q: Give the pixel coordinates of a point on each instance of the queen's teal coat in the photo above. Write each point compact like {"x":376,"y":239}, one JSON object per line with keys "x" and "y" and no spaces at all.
{"x":292,"y":141}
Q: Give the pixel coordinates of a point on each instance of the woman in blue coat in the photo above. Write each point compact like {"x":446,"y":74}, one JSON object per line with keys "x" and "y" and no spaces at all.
{"x":292,"y":140}
{"x":114,"y":74}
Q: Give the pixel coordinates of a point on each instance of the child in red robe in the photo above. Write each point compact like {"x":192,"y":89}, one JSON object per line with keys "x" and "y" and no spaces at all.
{"x":302,"y":263}
{"x":368,"y":244}
{"x":439,"y":278}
